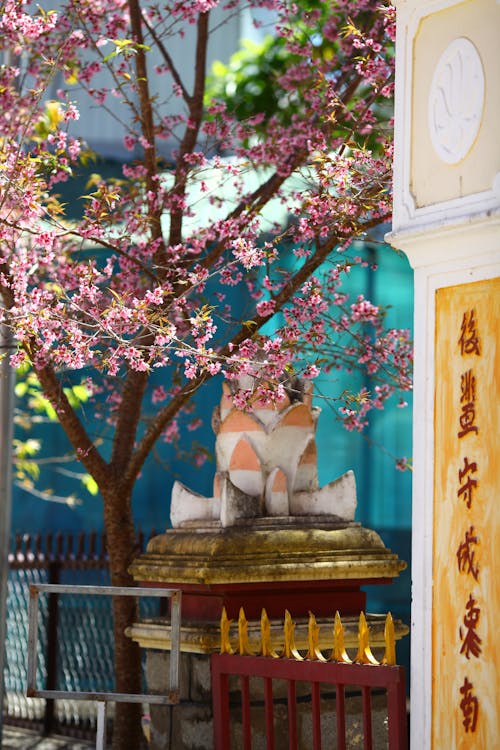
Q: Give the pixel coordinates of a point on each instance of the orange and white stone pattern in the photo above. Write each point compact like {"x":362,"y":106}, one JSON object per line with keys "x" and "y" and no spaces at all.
{"x":266,"y":466}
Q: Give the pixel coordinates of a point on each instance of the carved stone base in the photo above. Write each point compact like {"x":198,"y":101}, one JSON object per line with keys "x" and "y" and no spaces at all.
{"x":300,"y":564}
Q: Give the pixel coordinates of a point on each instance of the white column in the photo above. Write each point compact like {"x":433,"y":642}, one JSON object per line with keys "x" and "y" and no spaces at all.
{"x":447,"y":221}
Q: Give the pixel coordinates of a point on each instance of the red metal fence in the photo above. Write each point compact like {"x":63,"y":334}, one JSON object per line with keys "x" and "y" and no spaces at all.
{"x":366,"y":676}
{"x":337,"y":670}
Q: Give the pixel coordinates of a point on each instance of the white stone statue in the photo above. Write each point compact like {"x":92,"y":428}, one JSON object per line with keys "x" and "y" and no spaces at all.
{"x":266,"y":467}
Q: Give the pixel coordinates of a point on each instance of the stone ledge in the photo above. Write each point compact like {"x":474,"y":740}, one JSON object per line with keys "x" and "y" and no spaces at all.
{"x":205,"y":638}
{"x":250,"y":555}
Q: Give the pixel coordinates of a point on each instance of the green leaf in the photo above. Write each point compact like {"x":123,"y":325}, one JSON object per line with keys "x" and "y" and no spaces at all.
{"x":21,"y":389}
{"x":90,"y":484}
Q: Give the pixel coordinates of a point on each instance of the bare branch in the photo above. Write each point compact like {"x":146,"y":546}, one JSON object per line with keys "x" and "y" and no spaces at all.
{"x":168,"y":60}
{"x":147,"y":126}
{"x":192,"y":127}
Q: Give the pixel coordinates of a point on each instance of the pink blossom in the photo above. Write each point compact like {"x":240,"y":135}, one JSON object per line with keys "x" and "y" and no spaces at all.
{"x":129,"y":142}
{"x":159,"y":395}
{"x":310,"y":372}
{"x":171,"y":432}
{"x":265,"y":308}
{"x":139,"y":282}
{"x":404,"y":464}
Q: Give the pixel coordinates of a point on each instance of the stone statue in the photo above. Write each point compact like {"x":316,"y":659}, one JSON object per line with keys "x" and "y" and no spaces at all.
{"x":266,"y":463}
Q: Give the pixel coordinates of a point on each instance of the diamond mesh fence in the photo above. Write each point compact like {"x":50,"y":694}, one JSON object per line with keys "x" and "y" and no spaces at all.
{"x":75,"y":634}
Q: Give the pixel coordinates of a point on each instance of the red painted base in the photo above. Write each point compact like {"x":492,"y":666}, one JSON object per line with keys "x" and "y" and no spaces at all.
{"x":205,"y":603}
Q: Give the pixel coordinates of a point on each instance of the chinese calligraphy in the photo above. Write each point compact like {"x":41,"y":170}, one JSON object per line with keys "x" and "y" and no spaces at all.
{"x":470,"y":484}
{"x":469,"y":706}
{"x":469,"y":337}
{"x":464,"y":656}
{"x":469,"y":343}
{"x":467,"y":417}
{"x":471,"y":642}
{"x":465,"y":554}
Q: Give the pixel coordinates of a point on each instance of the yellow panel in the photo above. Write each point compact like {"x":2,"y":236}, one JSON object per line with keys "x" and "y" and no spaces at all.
{"x":432,"y":180}
{"x":466,"y":590}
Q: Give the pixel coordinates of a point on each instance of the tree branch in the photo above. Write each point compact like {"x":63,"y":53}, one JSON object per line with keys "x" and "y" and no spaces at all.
{"x":192,"y":129}
{"x":148,"y":129}
{"x":168,"y":60}
{"x":97,"y":240}
{"x":265,"y":192}
{"x":129,"y":414}
{"x":165,"y":415}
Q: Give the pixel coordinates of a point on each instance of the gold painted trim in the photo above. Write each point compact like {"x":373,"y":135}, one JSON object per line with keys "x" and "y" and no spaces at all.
{"x":242,"y":555}
{"x":263,"y":636}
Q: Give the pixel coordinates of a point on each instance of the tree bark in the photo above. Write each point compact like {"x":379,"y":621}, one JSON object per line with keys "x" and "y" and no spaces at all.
{"x":121,"y":542}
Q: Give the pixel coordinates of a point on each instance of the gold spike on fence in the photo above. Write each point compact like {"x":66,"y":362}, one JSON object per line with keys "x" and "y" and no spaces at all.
{"x":390,"y":641}
{"x":225,"y":625}
{"x":266,"y":648}
{"x":243,"y":642}
{"x":313,"y":652}
{"x":364,"y":655}
{"x":288,"y":648}
{"x":339,"y":653}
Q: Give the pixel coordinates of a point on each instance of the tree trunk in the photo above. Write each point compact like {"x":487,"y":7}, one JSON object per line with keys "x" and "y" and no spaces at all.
{"x":121,"y":542}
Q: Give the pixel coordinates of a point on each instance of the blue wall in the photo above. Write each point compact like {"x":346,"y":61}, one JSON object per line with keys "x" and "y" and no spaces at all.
{"x":384,"y":494}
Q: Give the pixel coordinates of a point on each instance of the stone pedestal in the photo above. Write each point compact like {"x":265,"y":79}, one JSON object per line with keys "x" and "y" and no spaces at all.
{"x":304,"y":564}
{"x":307,"y":564}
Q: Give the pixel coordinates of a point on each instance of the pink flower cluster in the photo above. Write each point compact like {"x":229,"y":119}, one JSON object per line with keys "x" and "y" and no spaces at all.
{"x":153,"y":276}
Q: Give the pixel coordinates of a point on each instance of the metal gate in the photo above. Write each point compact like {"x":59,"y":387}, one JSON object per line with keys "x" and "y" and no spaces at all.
{"x":335,"y":669}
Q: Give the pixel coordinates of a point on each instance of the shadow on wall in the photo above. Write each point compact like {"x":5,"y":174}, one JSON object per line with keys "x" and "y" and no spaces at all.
{"x":396,"y":597}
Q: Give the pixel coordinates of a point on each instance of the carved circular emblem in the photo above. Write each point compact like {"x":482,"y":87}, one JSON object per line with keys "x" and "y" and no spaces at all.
{"x":456,"y":101}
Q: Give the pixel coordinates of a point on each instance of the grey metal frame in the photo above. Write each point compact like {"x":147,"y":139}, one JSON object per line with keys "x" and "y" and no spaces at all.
{"x":102,"y":698}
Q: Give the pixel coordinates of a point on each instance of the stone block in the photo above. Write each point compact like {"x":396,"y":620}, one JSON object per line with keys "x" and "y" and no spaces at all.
{"x":157,"y":672}
{"x":192,"y":727}
{"x":201,"y":686}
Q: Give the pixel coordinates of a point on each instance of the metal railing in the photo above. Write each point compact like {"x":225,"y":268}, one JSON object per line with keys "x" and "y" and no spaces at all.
{"x":102,"y":698}
{"x":70,"y":559}
{"x":334,"y":668}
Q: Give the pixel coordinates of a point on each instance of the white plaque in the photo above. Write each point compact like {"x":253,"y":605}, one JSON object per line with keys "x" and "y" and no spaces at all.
{"x":456,"y":101}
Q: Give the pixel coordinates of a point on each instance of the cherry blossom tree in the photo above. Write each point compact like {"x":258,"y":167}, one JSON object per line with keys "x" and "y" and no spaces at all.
{"x":220,"y":249}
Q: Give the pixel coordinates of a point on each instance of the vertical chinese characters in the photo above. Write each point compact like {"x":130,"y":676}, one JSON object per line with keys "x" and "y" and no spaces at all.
{"x":467,"y":417}
{"x":469,"y":346}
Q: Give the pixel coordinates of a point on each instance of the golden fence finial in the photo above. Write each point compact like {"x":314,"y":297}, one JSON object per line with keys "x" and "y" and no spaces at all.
{"x":313,"y":652}
{"x":390,"y":641}
{"x":339,"y":653}
{"x":364,"y":655}
{"x":225,"y":624}
{"x":266,"y":648}
{"x":290,"y":651}
{"x":243,"y":643}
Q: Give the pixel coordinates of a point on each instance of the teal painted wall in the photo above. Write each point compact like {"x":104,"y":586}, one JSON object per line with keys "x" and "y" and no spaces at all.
{"x":384,"y":494}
